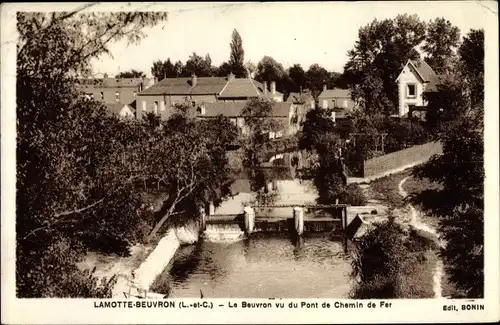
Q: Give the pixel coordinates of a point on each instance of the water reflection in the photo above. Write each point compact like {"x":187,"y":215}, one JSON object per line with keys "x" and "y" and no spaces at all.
{"x":262,"y":266}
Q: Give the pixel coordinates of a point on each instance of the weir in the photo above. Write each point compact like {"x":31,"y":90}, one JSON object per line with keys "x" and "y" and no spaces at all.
{"x":298,"y":219}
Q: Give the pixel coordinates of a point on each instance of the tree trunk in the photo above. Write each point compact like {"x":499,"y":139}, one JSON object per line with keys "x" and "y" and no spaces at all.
{"x":160,"y":223}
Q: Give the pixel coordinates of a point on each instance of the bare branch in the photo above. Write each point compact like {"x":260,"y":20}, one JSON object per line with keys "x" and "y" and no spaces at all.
{"x":66,"y":213}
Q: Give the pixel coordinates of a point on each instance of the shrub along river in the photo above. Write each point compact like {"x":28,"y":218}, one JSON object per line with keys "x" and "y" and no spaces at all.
{"x":262,"y":266}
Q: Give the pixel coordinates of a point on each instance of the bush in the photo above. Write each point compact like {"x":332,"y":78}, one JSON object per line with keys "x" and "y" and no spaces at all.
{"x":353,"y":195}
{"x":392,"y":262}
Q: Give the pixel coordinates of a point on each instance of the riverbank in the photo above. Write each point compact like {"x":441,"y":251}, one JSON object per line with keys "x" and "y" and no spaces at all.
{"x":425,"y":278}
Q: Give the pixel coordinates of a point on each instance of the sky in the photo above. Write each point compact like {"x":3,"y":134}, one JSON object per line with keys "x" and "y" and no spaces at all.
{"x":294,"y":32}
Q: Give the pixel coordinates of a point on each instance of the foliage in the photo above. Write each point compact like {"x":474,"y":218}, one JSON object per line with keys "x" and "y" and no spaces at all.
{"x":255,"y":115}
{"x":298,"y":78}
{"x":317,"y":123}
{"x":86,"y":179}
{"x":166,"y":69}
{"x":69,"y":152}
{"x":353,"y":195}
{"x":317,"y":76}
{"x":441,"y":41}
{"x":201,"y":67}
{"x":471,"y":53}
{"x":237,"y":56}
{"x":384,"y":259}
{"x":377,"y":58}
{"x":459,"y":204}
{"x":131,"y":74}
{"x":269,"y":70}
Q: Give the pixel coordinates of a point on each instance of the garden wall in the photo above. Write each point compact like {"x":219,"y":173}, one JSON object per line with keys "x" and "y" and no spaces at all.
{"x":399,"y":159}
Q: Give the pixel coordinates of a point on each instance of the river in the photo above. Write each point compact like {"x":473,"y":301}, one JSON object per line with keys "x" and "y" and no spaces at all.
{"x":264,"y":266}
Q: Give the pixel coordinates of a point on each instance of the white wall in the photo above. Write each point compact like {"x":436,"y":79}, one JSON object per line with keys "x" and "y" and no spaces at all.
{"x":409,"y":76}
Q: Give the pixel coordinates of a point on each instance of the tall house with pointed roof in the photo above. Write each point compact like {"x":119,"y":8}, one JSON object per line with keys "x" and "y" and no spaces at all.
{"x":415,"y":79}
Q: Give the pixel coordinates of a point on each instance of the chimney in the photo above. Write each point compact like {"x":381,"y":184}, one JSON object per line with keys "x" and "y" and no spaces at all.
{"x":194,"y":80}
{"x":265,"y":87}
{"x":273,"y":87}
{"x":324,"y":87}
{"x":230,"y":76}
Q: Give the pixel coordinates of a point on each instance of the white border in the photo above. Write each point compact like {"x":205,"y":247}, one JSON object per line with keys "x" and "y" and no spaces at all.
{"x":82,"y":311}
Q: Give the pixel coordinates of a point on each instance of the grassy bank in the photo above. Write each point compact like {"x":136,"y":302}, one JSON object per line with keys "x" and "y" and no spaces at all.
{"x":386,"y":191}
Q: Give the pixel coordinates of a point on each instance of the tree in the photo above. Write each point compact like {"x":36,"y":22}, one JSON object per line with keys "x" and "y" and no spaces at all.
{"x":316,"y":78}
{"x":471,"y":54}
{"x":251,"y":69}
{"x":379,"y":54}
{"x":256,"y":116}
{"x":385,"y":257}
{"x":165,"y":69}
{"x":237,"y":56}
{"x":460,"y":169}
{"x":71,"y":189}
{"x":298,"y":78}
{"x":131,"y":74}
{"x":196,"y":170}
{"x":441,"y":41}
{"x":198,"y":66}
{"x":224,"y":69}
{"x":270,"y":70}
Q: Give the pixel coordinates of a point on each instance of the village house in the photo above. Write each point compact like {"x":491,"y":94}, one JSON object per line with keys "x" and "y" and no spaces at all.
{"x":114,"y":90}
{"x":121,"y":110}
{"x":302,"y":98}
{"x":287,"y":114}
{"x":338,"y":100}
{"x":415,"y":79}
{"x":196,"y":91}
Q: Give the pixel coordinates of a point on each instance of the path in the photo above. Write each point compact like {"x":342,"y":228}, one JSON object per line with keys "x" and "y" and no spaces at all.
{"x":416,"y":223}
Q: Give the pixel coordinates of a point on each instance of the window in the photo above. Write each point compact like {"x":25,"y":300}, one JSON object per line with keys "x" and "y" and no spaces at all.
{"x":155,"y":107}
{"x":411,"y":90}
{"x":135,"y":93}
{"x":102,"y":95}
{"x":344,"y":103}
{"x":117,"y":96}
{"x":334,"y":104}
{"x":333,"y":116}
{"x":162,"y":105}
{"x":325,"y":103}
{"x":143,"y":105}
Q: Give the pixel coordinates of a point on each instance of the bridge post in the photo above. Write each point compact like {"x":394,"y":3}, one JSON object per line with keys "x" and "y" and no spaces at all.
{"x":275,"y":185}
{"x":298,"y":218}
{"x":344,"y":218}
{"x":203,"y":219}
{"x":249,"y":219}
{"x":211,"y":209}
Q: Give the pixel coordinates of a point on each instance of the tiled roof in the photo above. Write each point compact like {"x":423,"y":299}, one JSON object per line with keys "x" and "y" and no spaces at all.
{"x":424,"y":69}
{"x":183,"y":86}
{"x":111,"y":82}
{"x":241,"y":87}
{"x":234,"y":109}
{"x":336,"y":93}
{"x":434,"y":81}
{"x":114,"y":108}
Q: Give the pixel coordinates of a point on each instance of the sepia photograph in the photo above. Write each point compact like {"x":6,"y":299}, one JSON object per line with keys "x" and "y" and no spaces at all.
{"x":250,"y":151}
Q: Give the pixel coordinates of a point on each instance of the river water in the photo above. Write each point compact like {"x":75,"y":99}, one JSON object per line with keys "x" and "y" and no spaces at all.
{"x":264,"y":266}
